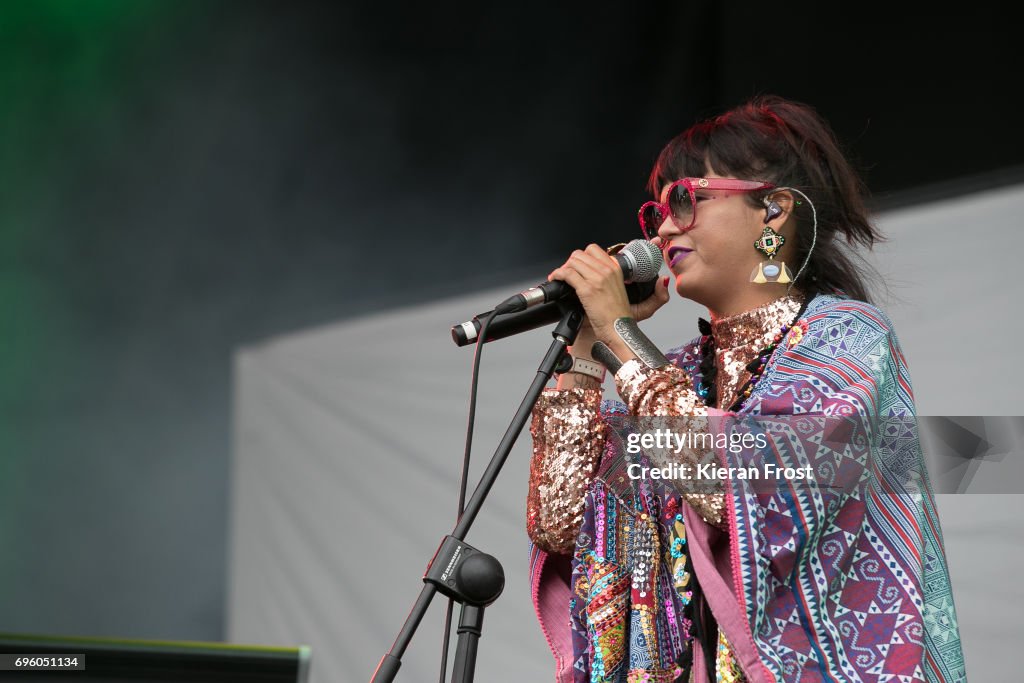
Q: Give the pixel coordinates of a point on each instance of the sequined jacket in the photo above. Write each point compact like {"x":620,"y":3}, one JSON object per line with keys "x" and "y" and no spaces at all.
{"x":803,"y":585}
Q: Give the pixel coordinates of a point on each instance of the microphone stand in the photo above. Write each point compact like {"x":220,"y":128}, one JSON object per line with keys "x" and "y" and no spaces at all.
{"x":460,"y":571}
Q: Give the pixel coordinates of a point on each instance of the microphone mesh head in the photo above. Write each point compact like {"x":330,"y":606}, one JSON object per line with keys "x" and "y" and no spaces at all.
{"x":645,"y":259}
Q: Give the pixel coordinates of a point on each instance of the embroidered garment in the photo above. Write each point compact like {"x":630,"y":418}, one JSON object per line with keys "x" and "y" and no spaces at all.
{"x":839,"y":584}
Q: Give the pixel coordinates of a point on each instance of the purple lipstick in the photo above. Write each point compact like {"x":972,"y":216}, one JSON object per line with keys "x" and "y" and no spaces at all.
{"x":677,"y":254}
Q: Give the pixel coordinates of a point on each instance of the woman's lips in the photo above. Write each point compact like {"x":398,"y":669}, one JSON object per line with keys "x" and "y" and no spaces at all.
{"x":677,"y":254}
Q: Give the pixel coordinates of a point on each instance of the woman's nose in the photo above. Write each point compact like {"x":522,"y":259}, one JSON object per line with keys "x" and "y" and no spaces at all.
{"x":668,"y":229}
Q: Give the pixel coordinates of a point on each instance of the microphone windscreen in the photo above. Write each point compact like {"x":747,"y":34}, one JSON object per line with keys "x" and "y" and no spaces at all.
{"x":644,"y":261}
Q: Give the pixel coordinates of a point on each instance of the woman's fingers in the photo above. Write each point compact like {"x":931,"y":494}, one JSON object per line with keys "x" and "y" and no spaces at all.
{"x":585,"y":268}
{"x":597,"y":280}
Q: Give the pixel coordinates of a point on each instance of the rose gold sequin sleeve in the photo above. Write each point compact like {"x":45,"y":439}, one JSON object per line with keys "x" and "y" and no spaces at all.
{"x":668,"y":392}
{"x":568,"y":440}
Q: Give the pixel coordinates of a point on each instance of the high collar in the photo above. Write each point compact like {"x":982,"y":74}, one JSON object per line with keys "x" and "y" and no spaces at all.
{"x":757,"y":325}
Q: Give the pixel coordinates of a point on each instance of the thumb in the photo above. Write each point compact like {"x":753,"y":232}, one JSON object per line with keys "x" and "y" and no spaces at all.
{"x":646,"y":308}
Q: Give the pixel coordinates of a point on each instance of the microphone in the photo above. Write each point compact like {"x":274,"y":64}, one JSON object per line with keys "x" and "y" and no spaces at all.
{"x":639,"y":260}
{"x":642,"y":262}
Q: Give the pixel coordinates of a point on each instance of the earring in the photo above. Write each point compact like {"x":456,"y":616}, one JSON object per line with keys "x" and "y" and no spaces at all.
{"x":769,"y":245}
{"x":769,"y":269}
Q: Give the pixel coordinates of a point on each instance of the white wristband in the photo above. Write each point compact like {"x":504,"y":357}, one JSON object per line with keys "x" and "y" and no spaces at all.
{"x":582,"y":366}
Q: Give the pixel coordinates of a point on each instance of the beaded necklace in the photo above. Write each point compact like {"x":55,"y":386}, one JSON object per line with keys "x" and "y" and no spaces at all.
{"x":708,"y":370}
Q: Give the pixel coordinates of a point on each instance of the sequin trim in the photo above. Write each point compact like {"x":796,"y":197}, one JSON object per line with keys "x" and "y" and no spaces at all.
{"x":568,"y":440}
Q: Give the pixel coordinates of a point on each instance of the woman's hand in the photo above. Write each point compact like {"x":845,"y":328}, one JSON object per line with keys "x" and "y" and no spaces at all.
{"x":646,"y":308}
{"x":597,"y":280}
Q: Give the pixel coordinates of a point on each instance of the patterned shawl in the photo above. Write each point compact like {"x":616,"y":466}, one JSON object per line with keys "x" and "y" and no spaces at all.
{"x":847,"y":583}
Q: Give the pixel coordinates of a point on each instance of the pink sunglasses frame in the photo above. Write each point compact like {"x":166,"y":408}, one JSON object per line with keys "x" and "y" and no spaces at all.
{"x":733,"y":184}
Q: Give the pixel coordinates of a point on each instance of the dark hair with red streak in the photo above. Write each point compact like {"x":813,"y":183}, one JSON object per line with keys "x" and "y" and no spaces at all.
{"x":790,"y":145}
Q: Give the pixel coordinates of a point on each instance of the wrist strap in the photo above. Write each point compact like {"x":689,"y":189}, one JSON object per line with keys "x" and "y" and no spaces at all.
{"x":582,"y":366}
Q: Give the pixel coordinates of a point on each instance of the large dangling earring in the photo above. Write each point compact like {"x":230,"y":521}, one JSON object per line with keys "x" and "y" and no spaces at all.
{"x":769,"y":245}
